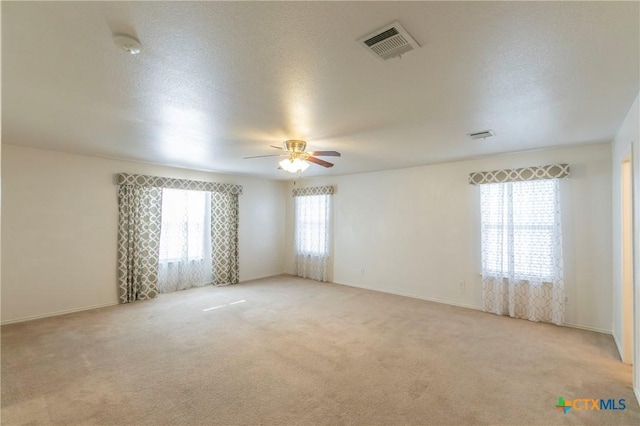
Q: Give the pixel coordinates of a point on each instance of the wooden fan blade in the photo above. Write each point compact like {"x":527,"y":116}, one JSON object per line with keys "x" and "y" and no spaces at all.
{"x":276,"y":147}
{"x":325,"y":153}
{"x":271,"y":155}
{"x":319,"y":162}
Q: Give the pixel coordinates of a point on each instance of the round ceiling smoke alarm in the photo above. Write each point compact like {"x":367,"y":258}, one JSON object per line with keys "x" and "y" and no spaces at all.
{"x":127,"y":43}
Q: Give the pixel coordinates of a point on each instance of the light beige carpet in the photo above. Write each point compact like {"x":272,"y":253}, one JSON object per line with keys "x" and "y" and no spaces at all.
{"x":293,"y":351}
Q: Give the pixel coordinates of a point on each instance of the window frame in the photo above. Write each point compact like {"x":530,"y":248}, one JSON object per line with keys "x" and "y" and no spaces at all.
{"x":206,"y":204}
{"x":511,"y":267}
{"x":322,"y":225}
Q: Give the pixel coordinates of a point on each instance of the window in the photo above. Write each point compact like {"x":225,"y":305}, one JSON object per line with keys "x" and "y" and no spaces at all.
{"x":520,"y":229}
{"x":312,"y":225}
{"x":522,"y":271}
{"x":171,"y":238}
{"x":312,"y":231}
{"x":185,"y":231}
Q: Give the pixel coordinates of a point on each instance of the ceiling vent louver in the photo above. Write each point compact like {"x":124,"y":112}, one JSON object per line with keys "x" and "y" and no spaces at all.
{"x":482,"y":135}
{"x":388,"y":42}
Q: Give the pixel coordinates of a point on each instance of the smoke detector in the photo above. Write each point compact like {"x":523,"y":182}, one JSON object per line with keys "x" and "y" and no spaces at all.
{"x":388,"y":42}
{"x":127,"y":43}
{"x":482,"y":135}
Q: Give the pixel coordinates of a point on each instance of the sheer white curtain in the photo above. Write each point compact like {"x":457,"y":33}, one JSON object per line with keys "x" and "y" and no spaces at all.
{"x":522,"y":271}
{"x":185,"y":240}
{"x":312,"y":233}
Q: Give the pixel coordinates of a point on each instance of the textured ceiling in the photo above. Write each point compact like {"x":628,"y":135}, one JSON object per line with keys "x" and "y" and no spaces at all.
{"x":218,"y":81}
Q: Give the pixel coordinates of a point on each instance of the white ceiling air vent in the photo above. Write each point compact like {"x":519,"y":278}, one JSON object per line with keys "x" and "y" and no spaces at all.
{"x":388,"y":42}
{"x":482,"y":135}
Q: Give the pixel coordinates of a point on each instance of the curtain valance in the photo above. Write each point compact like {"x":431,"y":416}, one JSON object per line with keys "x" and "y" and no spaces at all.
{"x":163,"y":182}
{"x":314,"y":190}
{"x":553,"y":171}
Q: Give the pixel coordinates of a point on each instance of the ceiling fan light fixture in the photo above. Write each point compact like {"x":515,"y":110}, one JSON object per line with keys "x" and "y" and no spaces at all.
{"x":294,"y":166}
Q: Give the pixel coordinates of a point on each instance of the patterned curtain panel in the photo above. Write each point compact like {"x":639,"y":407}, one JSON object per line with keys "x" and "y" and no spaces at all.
{"x":522,"y":267}
{"x":162,"y":182}
{"x":314,"y":190}
{"x":139,"y":221}
{"x":553,"y":171}
{"x":312,"y":231}
{"x":224,"y":238}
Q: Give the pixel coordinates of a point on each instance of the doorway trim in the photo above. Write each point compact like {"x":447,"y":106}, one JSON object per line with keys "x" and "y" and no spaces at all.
{"x":628,"y":282}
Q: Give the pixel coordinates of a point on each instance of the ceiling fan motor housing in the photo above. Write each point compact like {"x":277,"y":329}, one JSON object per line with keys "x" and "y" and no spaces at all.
{"x":295,"y":145}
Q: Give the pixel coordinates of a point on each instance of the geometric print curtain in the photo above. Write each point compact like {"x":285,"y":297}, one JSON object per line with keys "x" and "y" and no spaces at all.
{"x":552,"y":171}
{"x":522,"y":262}
{"x":224,"y":238}
{"x":314,"y":190}
{"x":163,"y":182}
{"x":140,"y":221}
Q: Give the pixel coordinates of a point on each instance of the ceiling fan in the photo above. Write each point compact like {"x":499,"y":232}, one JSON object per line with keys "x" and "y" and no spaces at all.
{"x":297,"y":158}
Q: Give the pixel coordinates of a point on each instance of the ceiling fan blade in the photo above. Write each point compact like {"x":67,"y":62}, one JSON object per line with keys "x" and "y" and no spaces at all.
{"x":319,"y":162}
{"x":276,"y":147}
{"x":261,"y":156}
{"x":325,"y":153}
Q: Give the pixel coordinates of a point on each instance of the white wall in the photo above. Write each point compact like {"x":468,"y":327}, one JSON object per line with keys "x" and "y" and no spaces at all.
{"x":416,"y":231}
{"x":59,"y":230}
{"x":627,"y":139}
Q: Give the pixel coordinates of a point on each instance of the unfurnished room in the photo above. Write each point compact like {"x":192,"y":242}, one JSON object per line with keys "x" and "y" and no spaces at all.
{"x":319,"y":213}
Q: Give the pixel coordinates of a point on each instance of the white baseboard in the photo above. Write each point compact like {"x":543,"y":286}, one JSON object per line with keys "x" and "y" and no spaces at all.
{"x":397,"y":293}
{"x":637,"y":394}
{"x":86,"y":308}
{"x":588,"y":328}
{"x":618,"y":345}
{"x":244,"y":280}
{"x":462,"y":305}
{"x":53,"y":314}
{"x":414,"y":296}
